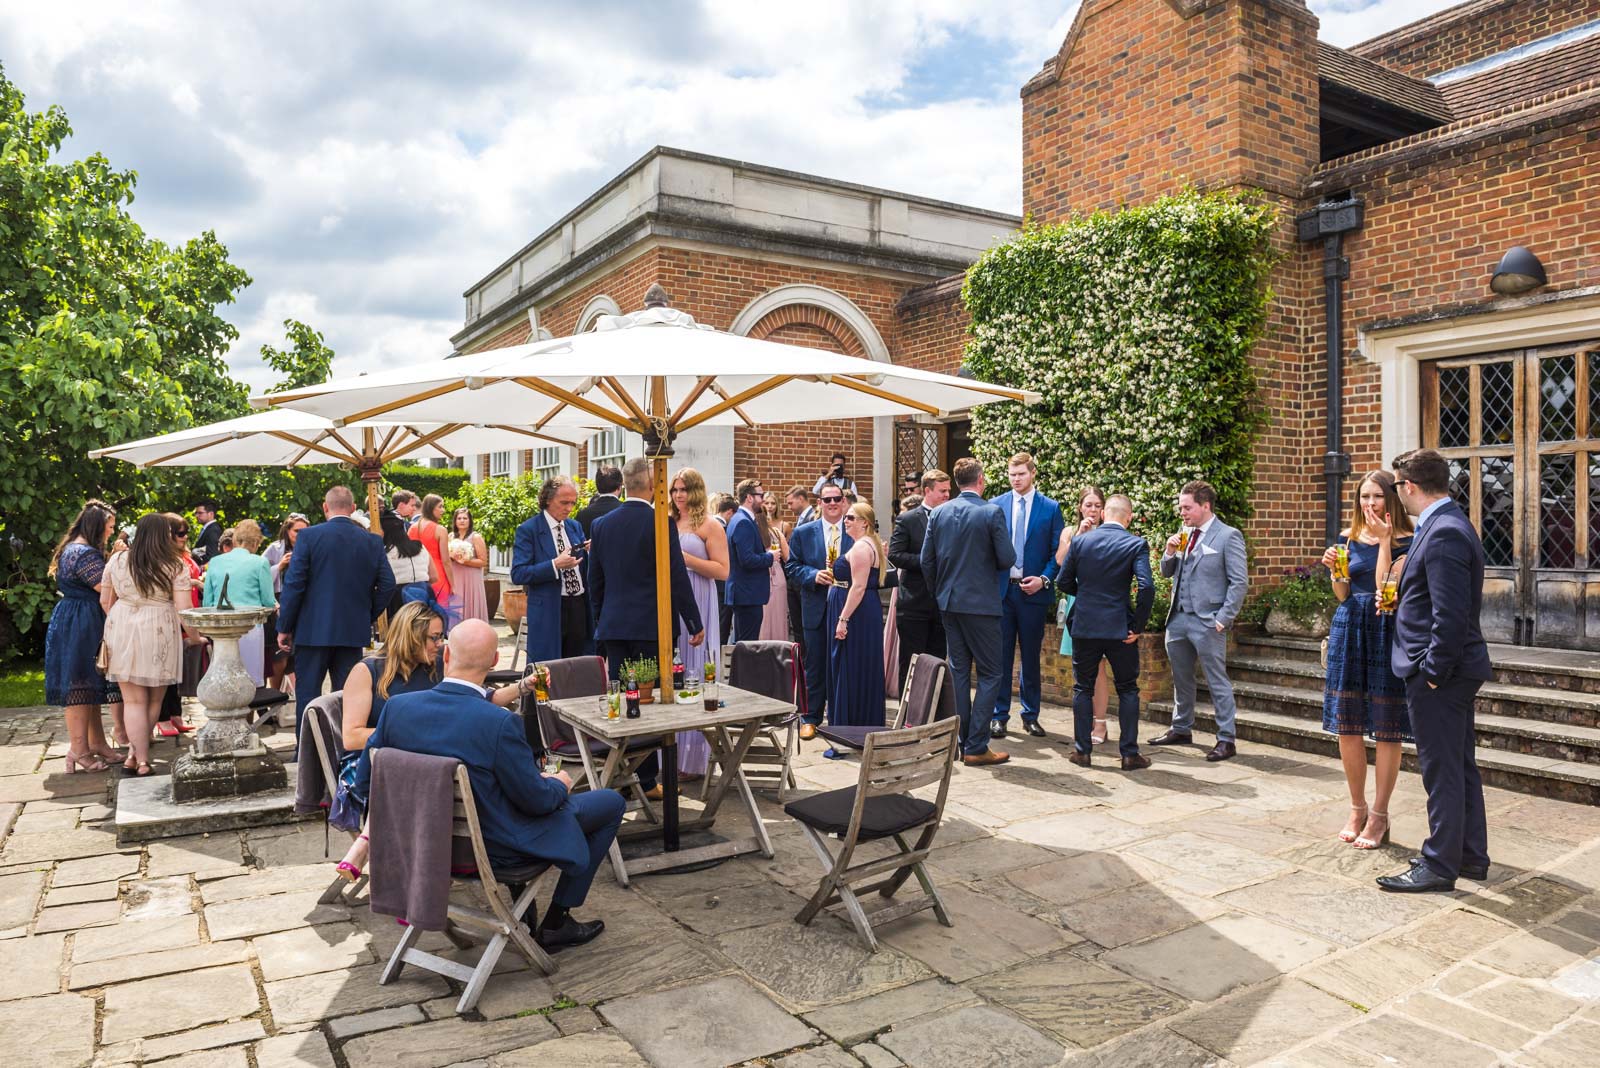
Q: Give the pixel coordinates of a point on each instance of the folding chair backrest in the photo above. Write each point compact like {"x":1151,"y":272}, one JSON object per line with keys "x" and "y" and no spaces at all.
{"x":897,"y":762}
{"x":466,"y":835}
{"x":327,"y":728}
{"x":574,"y":676}
{"x":925,"y":681}
{"x":768,"y":668}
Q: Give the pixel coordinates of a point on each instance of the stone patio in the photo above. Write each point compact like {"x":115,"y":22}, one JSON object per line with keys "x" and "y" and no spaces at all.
{"x":1194,"y":914}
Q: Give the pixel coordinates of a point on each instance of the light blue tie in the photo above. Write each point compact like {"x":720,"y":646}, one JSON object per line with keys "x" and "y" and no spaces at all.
{"x":1019,"y":529}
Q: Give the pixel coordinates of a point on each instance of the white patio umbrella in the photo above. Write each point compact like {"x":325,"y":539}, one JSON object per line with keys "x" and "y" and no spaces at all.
{"x":656,"y":372}
{"x":284,"y":437}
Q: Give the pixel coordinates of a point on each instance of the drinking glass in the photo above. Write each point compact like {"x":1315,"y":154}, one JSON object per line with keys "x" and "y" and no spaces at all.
{"x":1388,"y":594}
{"x":552,"y":763}
{"x":614,"y":700}
{"x":1183,"y":539}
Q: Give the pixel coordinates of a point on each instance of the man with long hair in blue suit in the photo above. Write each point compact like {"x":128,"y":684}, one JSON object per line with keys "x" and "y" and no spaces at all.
{"x":1440,"y":653}
{"x":546,"y":562}
{"x":1033,"y":524}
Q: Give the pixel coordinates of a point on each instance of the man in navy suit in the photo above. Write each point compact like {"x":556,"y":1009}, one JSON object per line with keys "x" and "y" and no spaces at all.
{"x":526,"y":816}
{"x":622,"y":575}
{"x":810,"y":548}
{"x":1440,"y":653}
{"x":966,"y":557}
{"x":1033,"y":525}
{"x":750,"y":564}
{"x":337,"y":584}
{"x":545,"y":561}
{"x":1101,"y":564}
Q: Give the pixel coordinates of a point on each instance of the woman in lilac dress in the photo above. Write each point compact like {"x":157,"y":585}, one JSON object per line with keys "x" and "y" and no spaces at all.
{"x":705,"y":554}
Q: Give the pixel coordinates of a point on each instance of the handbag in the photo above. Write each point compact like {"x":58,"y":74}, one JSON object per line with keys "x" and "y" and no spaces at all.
{"x":102,"y":657}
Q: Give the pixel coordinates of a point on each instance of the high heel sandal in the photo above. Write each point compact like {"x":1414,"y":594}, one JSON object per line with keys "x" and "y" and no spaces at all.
{"x":77,"y":762}
{"x":1097,"y":734}
{"x":1363,"y":842}
{"x":143,"y":769}
{"x":348,"y":871}
{"x":1347,"y":835}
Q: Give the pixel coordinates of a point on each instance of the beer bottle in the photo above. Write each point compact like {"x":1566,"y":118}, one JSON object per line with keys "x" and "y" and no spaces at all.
{"x":631,"y":694}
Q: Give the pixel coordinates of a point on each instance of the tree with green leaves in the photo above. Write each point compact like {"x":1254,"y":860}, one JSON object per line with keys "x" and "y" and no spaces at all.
{"x":306,"y":362}
{"x":106,"y":335}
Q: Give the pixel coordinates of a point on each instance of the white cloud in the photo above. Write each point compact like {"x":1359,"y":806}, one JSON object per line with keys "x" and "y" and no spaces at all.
{"x":365,"y":164}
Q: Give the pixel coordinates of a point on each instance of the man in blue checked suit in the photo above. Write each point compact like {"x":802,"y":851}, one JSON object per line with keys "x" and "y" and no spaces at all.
{"x":749,"y":583}
{"x":810,"y":547}
{"x":526,"y":816}
{"x":338,"y":583}
{"x":1033,"y":525}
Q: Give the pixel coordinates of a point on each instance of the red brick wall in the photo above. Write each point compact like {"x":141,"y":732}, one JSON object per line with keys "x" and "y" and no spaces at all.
{"x":1473,"y":31}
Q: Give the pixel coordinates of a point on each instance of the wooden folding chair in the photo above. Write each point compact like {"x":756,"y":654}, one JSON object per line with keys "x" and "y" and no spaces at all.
{"x":585,"y":676}
{"x":770,"y":759}
{"x":880,"y":805}
{"x":502,"y":923}
{"x":326,"y":715}
{"x":922,"y":699}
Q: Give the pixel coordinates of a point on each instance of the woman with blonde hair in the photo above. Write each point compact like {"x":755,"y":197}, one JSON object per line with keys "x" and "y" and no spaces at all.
{"x":142,"y":592}
{"x":855,"y":619}
{"x":705,"y":554}
{"x":775,"y":618}
{"x":1362,"y":695}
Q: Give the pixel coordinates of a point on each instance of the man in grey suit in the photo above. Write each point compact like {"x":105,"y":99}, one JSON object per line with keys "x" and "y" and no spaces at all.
{"x":966,"y":561}
{"x":1206,"y":562}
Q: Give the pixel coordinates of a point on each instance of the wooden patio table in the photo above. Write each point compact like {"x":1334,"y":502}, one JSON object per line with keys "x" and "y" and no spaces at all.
{"x":729,"y":730}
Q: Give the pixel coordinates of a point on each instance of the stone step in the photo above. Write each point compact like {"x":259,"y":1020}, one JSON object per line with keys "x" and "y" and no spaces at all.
{"x":1514,"y":734}
{"x":1566,"y":780}
{"x":1514,"y":665}
{"x":1566,"y":707}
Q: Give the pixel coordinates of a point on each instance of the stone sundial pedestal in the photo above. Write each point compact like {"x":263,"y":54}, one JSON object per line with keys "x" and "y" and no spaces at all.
{"x":227,"y":758}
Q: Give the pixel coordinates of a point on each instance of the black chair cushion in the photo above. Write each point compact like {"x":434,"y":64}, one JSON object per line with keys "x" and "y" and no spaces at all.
{"x":883,"y":816}
{"x":849,"y":737}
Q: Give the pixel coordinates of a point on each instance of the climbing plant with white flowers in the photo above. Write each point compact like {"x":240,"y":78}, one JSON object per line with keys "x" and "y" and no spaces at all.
{"x":1137,"y":326}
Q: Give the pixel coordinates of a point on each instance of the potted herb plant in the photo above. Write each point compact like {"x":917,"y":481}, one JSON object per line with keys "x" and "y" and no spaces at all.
{"x":645,"y":671}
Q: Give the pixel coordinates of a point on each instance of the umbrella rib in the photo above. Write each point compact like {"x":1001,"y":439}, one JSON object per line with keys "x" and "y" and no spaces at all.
{"x":568,"y":397}
{"x":883,"y":394}
{"x":358,"y":453}
{"x":551,"y":414}
{"x":427,"y":394}
{"x":532,"y":434}
{"x":180,"y":452}
{"x":734,"y":401}
{"x":422,"y":442}
{"x":688,"y":402}
{"x":389,"y":437}
{"x":294,"y":439}
{"x":621,"y":397}
{"x":297,"y":457}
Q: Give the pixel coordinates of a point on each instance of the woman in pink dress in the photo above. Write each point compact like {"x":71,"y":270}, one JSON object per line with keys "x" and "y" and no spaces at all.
{"x":775,"y":620}
{"x":469,"y":555}
{"x":430,"y":531}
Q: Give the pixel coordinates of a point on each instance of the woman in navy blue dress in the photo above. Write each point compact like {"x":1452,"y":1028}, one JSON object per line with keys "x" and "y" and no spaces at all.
{"x":73,"y":641}
{"x":855,"y":619}
{"x":1362,"y":696}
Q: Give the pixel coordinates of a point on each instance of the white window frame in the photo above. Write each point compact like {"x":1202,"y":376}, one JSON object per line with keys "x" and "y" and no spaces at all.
{"x":500,"y":464}
{"x":607,"y":446}
{"x":547,"y":462}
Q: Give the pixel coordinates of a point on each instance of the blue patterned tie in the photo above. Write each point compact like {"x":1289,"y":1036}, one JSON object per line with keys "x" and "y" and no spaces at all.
{"x":1019,"y":529}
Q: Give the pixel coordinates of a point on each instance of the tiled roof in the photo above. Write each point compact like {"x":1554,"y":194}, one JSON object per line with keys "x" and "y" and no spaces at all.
{"x":1346,"y":69}
{"x":1524,"y":79}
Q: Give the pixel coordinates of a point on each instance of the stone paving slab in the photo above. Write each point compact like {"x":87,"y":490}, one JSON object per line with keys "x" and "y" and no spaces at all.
{"x":310,"y":998}
{"x":169,"y":1003}
{"x":1079,"y":1001}
{"x":442,"y":1042}
{"x":1205,"y":961}
{"x":601,"y":1049}
{"x":673,"y":1028}
{"x":57,"y":1030}
{"x":813,"y":966}
{"x":1266,"y":1020}
{"x":978,"y":1037}
{"x":147,"y":964}
{"x":854,"y":1021}
{"x":31,"y":966}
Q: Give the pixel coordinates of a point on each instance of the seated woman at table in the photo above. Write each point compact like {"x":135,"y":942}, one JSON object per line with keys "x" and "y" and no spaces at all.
{"x":411,"y":660}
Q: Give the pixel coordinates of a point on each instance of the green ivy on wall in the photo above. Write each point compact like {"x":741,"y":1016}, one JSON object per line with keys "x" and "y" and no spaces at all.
{"x":1136,"y":325}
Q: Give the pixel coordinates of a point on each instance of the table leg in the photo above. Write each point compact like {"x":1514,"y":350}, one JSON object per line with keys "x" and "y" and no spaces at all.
{"x":669,"y":792}
{"x":597,"y":781}
{"x":760,"y":827}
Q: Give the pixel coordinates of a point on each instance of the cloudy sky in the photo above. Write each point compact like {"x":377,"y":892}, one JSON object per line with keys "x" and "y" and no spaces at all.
{"x":367,"y":162}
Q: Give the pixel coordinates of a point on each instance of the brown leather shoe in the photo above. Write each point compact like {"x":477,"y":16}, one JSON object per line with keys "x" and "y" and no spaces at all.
{"x":1221,"y":751}
{"x":985,"y":758}
{"x":655,"y":793}
{"x":1080,"y":759}
{"x":1135,"y":762}
{"x":807,"y":732}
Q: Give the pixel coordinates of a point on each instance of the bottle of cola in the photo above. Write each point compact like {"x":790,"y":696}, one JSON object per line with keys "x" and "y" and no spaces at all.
{"x":677,"y":672}
{"x":630,"y":691}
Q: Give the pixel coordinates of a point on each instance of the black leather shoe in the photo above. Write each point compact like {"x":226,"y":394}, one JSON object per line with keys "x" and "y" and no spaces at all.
{"x":1477,"y":875}
{"x":997,"y":728}
{"x":1222,"y":751}
{"x":1418,"y":880}
{"x":1173,"y":738}
{"x":1135,"y":762}
{"x":1033,"y":728}
{"x":570,"y":933}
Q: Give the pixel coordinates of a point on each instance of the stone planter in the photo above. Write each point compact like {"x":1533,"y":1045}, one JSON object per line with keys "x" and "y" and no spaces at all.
{"x":514,"y":606}
{"x":1284,"y":625}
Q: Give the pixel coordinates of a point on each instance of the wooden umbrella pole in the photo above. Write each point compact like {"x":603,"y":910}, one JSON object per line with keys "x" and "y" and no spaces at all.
{"x":370,"y":474}
{"x":658,"y":443}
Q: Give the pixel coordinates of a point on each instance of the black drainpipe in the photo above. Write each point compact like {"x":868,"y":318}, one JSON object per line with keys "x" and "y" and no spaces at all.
{"x":1330,"y":221}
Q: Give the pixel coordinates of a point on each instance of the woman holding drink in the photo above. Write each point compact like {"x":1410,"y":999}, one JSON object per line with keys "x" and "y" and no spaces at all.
{"x":1362,"y":695}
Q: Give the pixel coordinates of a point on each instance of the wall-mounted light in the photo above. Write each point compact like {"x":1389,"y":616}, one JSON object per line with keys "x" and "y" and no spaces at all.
{"x":1519,"y":272}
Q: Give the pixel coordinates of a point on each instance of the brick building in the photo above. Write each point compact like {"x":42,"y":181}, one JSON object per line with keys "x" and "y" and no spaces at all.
{"x":1404,"y":167}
